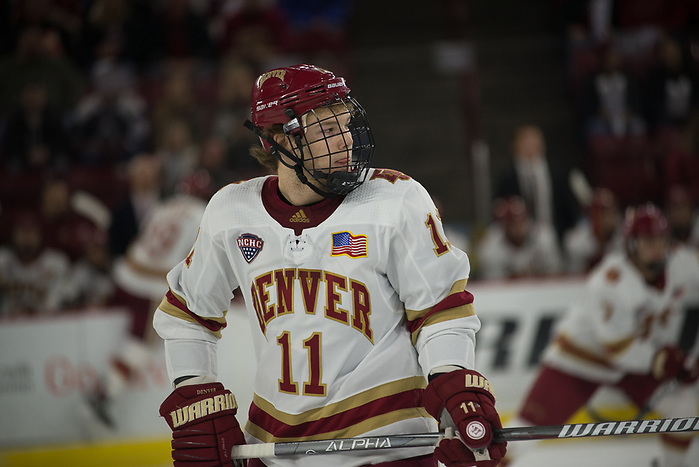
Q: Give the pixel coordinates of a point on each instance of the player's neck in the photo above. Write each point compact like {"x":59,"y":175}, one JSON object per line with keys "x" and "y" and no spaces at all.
{"x":295,"y":192}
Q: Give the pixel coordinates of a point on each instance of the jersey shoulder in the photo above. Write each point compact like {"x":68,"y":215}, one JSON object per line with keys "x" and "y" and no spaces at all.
{"x":616,"y":277}
{"x":387,"y":184}
{"x":389,"y":194}
{"x":238,"y":203}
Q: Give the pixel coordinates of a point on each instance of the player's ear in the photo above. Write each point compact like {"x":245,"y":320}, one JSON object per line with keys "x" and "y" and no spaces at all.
{"x":282,"y":140}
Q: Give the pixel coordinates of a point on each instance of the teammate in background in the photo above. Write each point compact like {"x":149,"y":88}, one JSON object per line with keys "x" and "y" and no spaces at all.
{"x":514,"y":246}
{"x":596,"y":235}
{"x":355,"y":297}
{"x":139,"y":277}
{"x":624,"y":335}
{"x":31,"y":275}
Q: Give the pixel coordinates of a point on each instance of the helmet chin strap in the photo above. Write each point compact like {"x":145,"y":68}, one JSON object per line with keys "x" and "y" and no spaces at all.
{"x":335,"y":180}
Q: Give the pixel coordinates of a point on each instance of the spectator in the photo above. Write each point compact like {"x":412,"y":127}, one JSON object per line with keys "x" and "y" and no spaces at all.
{"x":611,"y":101}
{"x":35,"y":137}
{"x":182,"y":31}
{"x":213,"y":159}
{"x":178,"y":102}
{"x":65,"y":229}
{"x":544,"y":190}
{"x":320,"y":30}
{"x":33,"y":63}
{"x":31,"y":275}
{"x":105,"y":31}
{"x":514,"y":246}
{"x":596,"y":234}
{"x":236,"y":78}
{"x":671,"y":92}
{"x":145,"y":190}
{"x":90,"y":283}
{"x":681,"y":215}
{"x":257,"y":32}
{"x":110,"y":122}
{"x":178,"y":153}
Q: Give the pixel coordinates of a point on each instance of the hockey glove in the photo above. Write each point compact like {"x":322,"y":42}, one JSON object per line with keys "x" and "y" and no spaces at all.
{"x":464,"y":400}
{"x":204,"y":427}
{"x":668,"y":363}
{"x":690,"y":372}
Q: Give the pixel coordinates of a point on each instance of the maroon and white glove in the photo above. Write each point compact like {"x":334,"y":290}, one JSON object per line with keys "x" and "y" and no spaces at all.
{"x":204,"y":427}
{"x":668,"y":363}
{"x":689,"y":374}
{"x":464,"y":399}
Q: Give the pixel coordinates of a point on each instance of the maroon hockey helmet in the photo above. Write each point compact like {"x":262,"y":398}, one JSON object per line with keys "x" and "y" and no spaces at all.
{"x":284,"y":95}
{"x":646,"y":219}
{"x":299,"y":88}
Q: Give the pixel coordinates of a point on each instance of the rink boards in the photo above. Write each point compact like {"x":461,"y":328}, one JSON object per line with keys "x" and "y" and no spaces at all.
{"x":46,"y":364}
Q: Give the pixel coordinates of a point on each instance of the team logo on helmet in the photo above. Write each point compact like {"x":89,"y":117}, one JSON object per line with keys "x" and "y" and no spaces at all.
{"x":272,"y":74}
{"x":250,"y":246}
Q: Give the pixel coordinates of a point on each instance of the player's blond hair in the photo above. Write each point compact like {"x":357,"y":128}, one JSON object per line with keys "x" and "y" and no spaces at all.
{"x":265,"y":156}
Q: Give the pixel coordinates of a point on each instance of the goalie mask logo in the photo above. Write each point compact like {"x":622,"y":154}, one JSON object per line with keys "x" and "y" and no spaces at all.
{"x":250,"y":246}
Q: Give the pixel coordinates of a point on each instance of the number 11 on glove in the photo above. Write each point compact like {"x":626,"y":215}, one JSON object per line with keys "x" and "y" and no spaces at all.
{"x":463,"y":400}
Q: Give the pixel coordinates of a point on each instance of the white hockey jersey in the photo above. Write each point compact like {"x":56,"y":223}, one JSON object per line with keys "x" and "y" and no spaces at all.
{"x":34,"y":287}
{"x":340,"y":311}
{"x":623,"y":321}
{"x":165,"y":240}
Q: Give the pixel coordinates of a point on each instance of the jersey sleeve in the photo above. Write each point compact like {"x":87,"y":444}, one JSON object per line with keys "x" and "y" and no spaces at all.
{"x":201,"y":285}
{"x":430,"y":277}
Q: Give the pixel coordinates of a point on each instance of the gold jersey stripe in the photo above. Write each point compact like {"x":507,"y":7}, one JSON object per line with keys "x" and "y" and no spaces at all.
{"x":384,"y":390}
{"x":172,"y":310}
{"x":351,"y":431}
{"x":462,"y":311}
{"x":458,"y":287}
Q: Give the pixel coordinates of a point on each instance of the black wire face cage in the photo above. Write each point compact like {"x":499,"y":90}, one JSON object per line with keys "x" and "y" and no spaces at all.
{"x":334,"y":144}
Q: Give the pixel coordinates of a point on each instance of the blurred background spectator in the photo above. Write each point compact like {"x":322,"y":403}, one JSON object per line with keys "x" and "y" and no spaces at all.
{"x":515,"y":246}
{"x":145,"y":188}
{"x":597,"y":233}
{"x":544,"y":190}
{"x":31,"y":275}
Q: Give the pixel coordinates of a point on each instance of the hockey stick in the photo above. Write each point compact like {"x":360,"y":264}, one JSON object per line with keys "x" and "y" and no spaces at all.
{"x":580,"y":430}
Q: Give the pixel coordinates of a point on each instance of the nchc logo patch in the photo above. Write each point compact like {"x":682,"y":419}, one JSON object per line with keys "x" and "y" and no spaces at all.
{"x":250,"y":246}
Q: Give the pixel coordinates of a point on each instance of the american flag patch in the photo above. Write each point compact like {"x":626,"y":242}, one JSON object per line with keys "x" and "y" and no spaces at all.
{"x":344,"y":243}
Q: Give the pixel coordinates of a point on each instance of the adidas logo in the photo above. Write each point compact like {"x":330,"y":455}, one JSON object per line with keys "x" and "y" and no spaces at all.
{"x":300,"y":216}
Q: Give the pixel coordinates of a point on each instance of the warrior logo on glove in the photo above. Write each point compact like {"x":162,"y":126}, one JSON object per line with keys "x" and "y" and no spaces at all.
{"x":202,"y":408}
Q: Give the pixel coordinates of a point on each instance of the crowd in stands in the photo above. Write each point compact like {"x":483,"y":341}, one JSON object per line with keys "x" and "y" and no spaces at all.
{"x":633,"y":73}
{"x":105,"y":105}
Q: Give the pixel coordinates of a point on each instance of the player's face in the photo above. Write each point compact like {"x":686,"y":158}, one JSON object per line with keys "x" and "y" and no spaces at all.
{"x":329,"y":139}
{"x":651,"y":253}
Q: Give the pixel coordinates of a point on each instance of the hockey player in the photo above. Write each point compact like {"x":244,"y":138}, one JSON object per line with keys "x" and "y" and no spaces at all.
{"x":139,"y":277}
{"x":623,"y":335}
{"x":355,"y":297}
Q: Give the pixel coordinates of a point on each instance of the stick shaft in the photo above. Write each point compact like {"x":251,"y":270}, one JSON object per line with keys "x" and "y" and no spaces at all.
{"x":580,"y":430}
